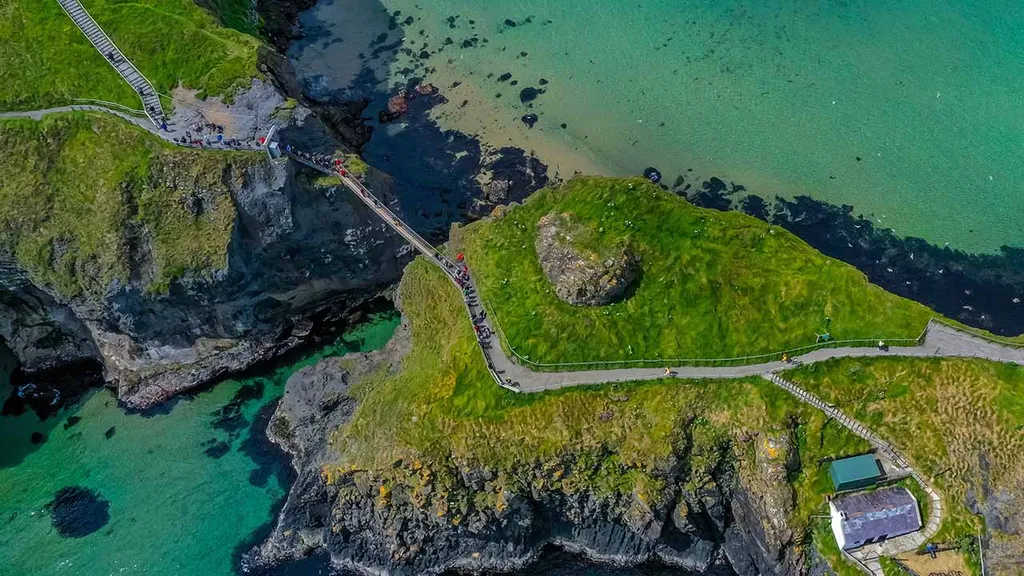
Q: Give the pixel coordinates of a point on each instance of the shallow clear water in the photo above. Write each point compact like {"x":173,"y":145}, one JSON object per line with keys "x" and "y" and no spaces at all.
{"x":174,"y":509}
{"x":909,"y":111}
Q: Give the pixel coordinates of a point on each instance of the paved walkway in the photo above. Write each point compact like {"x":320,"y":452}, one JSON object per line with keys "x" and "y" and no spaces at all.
{"x":132,"y":116}
{"x":940,"y":341}
{"x":114,"y":57}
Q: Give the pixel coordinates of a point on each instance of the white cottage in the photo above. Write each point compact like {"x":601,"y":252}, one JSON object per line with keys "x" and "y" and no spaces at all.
{"x":868,"y":517}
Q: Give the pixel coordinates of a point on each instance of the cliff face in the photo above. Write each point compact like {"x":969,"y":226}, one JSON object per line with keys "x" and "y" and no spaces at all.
{"x":299,"y":256}
{"x":422,"y":518}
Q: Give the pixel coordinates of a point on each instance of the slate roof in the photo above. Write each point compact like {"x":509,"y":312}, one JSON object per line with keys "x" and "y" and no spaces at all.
{"x":884,"y":512}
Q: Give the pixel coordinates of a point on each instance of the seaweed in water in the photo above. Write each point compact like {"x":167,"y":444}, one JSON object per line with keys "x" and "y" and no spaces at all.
{"x":218,"y":450}
{"x":229,"y":418}
{"x":76,"y":511}
{"x":529,"y":94}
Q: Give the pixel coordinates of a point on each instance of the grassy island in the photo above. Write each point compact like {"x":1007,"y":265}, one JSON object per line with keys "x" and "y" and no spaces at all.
{"x":440,"y":413}
{"x":713,"y":284}
{"x":442,"y":410}
{"x":726,"y":280}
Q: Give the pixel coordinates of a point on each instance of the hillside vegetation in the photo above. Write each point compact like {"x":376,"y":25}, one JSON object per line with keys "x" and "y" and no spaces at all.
{"x":46,"y":61}
{"x":87,"y":199}
{"x":441,"y":412}
{"x":959,"y":421}
{"x":712,"y":285}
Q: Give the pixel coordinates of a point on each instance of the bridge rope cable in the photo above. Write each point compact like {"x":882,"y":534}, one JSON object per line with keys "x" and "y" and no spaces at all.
{"x":446,"y":265}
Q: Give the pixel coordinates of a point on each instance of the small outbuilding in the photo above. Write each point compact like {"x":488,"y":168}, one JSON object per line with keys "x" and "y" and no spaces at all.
{"x":869,"y":517}
{"x":855,"y":472}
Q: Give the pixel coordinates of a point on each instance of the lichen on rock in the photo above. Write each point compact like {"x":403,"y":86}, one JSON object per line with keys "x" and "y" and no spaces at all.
{"x":583,"y":275}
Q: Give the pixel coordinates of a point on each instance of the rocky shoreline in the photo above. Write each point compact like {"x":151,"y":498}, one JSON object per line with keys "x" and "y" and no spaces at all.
{"x":731,"y":523}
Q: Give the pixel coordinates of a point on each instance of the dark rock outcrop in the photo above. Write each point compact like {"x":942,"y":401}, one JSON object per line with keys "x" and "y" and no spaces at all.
{"x":315,"y":403}
{"x":54,"y":348}
{"x":299,"y":258}
{"x":733,"y":520}
{"x":582,"y":277}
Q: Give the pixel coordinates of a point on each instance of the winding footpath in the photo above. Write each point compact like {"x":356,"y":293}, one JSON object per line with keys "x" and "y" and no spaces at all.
{"x":938,"y":340}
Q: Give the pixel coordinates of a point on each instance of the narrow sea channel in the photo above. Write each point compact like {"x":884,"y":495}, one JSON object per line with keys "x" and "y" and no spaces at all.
{"x":185,"y":488}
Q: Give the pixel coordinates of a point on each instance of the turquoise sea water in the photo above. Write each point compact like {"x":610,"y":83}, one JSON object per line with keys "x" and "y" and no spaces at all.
{"x":174,"y":509}
{"x":909,"y":111}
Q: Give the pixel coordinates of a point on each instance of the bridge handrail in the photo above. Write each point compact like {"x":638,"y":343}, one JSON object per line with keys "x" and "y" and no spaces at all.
{"x":113,"y":106}
{"x":447,"y":266}
{"x":689,"y":361}
{"x":378,"y":206}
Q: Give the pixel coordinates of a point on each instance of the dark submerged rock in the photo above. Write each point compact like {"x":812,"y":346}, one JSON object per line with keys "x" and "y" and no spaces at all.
{"x":76,"y":512}
{"x":37,"y":438}
{"x":529,"y":119}
{"x":110,"y":432}
{"x":218,"y":450}
{"x":529,"y":94}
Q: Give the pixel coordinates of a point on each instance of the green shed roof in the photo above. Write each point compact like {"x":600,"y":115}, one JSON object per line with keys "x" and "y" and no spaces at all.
{"x":855,"y":472}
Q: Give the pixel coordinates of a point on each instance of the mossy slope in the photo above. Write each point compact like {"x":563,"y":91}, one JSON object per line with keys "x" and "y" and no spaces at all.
{"x":86,"y":199}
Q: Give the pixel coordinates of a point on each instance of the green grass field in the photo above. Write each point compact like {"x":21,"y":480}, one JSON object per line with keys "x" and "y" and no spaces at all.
{"x":714,"y":284}
{"x":46,"y":61}
{"x":75,"y":234}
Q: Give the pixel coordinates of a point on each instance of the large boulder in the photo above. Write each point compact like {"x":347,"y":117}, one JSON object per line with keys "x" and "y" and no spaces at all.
{"x":582,"y":276}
